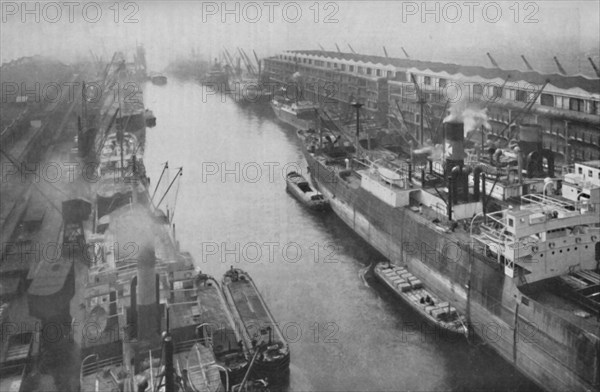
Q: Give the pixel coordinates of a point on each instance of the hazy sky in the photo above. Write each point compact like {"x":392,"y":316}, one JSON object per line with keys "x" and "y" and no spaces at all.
{"x":463,"y":32}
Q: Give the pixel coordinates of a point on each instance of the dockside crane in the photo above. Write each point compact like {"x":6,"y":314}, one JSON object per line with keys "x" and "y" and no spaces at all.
{"x":529,"y":67}
{"x":560,"y":68}
{"x":246,"y":63}
{"x":235,"y":71}
{"x":338,"y":48}
{"x":385,"y":52}
{"x":322,"y":48}
{"x":249,"y":62}
{"x":594,"y":66}
{"x":404,"y":51}
{"x":259,"y":64}
{"x":526,"y":109}
{"x":494,"y":63}
{"x":422,"y":102}
{"x":352,"y":50}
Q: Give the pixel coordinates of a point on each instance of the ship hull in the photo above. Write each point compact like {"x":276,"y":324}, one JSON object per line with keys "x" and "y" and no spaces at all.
{"x":251,"y":313}
{"x":291,"y":119}
{"x":215,"y":314}
{"x":473,"y":284}
{"x":247,"y":92}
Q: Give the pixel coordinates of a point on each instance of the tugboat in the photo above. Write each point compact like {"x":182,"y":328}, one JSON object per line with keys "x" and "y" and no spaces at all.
{"x":410,"y":289}
{"x":270,"y":351}
{"x":298,"y":186}
{"x":218,"y":328}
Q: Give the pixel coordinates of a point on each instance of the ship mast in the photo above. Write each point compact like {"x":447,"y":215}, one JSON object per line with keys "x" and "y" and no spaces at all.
{"x":421,"y":101}
{"x":357,"y":105}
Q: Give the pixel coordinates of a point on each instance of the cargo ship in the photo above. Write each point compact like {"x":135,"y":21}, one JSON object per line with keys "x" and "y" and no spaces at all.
{"x":139,"y":302}
{"x":269,"y":349}
{"x":247,"y":86}
{"x":216,"y":77}
{"x":497,"y":239}
{"x":300,"y":114}
{"x":150,"y":319}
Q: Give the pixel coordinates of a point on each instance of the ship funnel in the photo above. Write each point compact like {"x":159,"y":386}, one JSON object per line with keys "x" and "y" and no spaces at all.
{"x":530,"y":138}
{"x":148,"y":316}
{"x":454,"y":139}
{"x":530,"y":146}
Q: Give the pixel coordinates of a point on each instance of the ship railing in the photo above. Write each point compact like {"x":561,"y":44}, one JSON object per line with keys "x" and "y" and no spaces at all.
{"x":198,"y":369}
{"x":497,"y":235}
{"x":546,"y":201}
{"x":185,"y":345}
{"x":92,"y":364}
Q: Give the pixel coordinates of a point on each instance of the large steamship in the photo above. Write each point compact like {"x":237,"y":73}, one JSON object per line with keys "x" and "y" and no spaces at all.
{"x":491,"y":235}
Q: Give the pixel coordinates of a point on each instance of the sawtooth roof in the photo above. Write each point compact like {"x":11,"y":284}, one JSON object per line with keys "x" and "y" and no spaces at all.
{"x":561,"y":81}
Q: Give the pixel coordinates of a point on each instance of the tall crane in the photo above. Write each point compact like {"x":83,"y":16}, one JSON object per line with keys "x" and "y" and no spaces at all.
{"x":494,"y":63}
{"x":594,"y":66}
{"x":529,"y":67}
{"x":560,"y":68}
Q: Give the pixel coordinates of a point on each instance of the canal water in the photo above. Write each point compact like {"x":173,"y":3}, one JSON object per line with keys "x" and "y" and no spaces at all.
{"x":230,"y":207}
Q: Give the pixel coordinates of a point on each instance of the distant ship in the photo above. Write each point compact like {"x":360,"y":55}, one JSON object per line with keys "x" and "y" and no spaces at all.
{"x":216,"y":77}
{"x":158,"y":79}
{"x":300,"y":115}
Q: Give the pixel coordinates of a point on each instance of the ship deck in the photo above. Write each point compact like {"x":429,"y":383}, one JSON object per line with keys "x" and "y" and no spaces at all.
{"x":212,"y":308}
{"x":197,"y":360}
{"x":427,"y":215}
{"x":253,"y":314}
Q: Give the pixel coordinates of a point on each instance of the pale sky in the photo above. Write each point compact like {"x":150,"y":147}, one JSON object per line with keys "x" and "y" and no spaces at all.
{"x":507,"y":29}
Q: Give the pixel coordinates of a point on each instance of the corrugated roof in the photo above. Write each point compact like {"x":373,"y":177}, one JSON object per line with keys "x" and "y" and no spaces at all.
{"x":561,"y":81}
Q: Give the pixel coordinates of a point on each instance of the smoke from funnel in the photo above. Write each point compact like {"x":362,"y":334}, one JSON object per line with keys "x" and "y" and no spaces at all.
{"x":469,"y":113}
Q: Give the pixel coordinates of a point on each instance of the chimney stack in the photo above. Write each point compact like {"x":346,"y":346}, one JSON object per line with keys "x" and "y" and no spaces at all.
{"x":454,"y":171}
{"x":454,"y":139}
{"x":530,"y":144}
{"x":147,"y":294}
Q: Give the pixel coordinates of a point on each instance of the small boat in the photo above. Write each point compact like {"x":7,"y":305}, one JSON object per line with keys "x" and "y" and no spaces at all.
{"x":301,"y":189}
{"x":159,"y":80}
{"x":218,"y":328}
{"x":410,"y":289}
{"x":269,"y":349}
